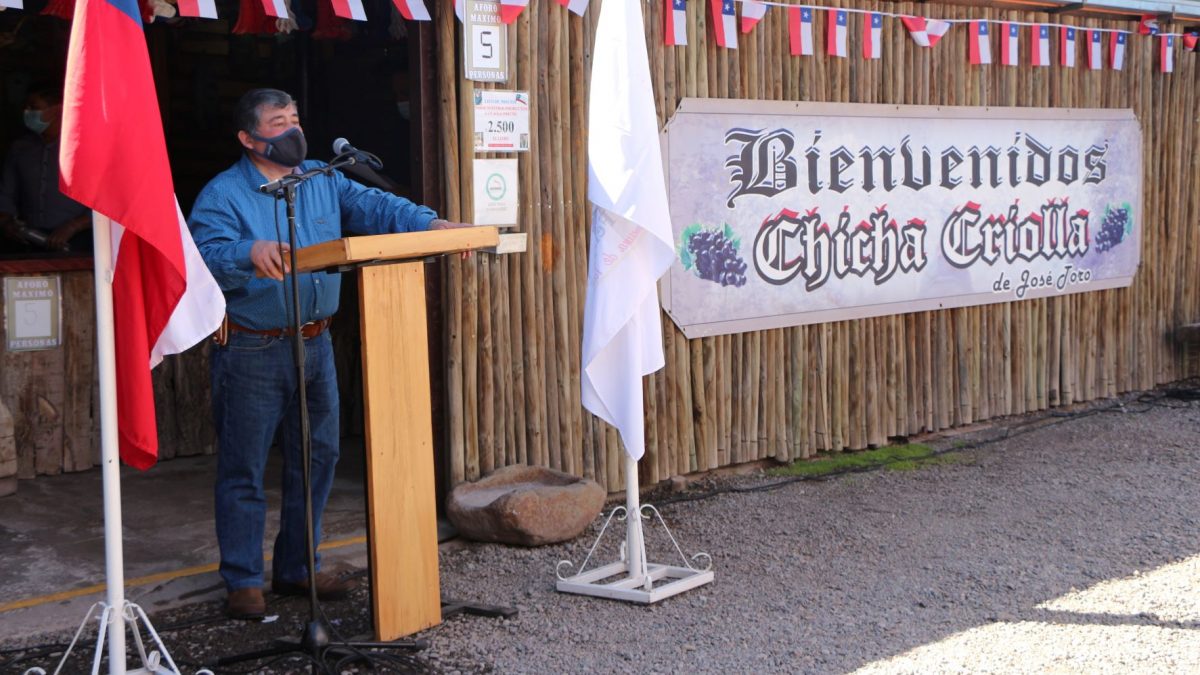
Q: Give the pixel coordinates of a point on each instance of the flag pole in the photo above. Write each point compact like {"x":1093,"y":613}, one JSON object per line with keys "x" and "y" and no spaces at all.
{"x":635,"y":544}
{"x":630,"y":251}
{"x":114,"y":560}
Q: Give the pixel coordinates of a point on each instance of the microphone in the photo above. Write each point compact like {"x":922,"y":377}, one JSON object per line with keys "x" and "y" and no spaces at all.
{"x":342,"y":146}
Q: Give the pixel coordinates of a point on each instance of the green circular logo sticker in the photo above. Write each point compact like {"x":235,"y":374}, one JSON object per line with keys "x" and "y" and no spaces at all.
{"x":495,"y":187}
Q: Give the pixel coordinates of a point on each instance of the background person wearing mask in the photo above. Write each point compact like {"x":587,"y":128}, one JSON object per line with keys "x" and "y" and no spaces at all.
{"x":32,"y":210}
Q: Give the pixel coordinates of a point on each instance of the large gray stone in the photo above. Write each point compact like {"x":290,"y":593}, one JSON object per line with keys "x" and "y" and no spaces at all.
{"x":525,"y":505}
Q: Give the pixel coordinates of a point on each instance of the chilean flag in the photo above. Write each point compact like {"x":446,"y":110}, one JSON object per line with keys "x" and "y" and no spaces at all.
{"x":1148,"y":25}
{"x":1117,"y":49}
{"x":800,"y":30}
{"x":752,"y":13}
{"x":576,"y":7}
{"x":980,"y":44}
{"x":511,"y":9}
{"x":724,"y":23}
{"x":1039,"y":54}
{"x":353,"y":9}
{"x":835,"y":34}
{"x":1095,"y":50}
{"x":413,"y":10}
{"x":676,"y":28}
{"x":1066,"y":46}
{"x":873,"y":36}
{"x":1009,"y":44}
{"x":203,"y":9}
{"x":275,"y":8}
{"x":1190,"y":40}
{"x":1166,"y":53}
{"x":113,"y":159}
{"x":925,"y":32}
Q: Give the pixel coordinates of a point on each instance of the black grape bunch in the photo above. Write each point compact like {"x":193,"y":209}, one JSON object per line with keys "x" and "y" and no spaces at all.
{"x":715,"y":257}
{"x":1112,"y":230}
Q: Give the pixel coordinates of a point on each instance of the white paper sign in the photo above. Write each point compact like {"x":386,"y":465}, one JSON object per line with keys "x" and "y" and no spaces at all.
{"x":33,"y":312}
{"x":485,"y":42}
{"x":496,"y":192}
{"x":501,"y":121}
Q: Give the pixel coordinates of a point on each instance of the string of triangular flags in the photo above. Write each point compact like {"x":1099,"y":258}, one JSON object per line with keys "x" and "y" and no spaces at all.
{"x":926,"y":32}
{"x":413,"y":10}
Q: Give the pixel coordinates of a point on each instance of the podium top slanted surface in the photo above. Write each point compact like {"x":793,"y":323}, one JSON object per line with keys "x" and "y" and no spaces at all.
{"x":397,"y":247}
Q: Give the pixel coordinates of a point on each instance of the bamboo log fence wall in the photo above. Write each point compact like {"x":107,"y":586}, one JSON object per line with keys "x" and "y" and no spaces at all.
{"x":513,"y":324}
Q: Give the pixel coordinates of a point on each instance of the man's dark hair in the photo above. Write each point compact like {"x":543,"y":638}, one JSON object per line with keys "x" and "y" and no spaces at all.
{"x":49,"y":92}
{"x":245,"y":113}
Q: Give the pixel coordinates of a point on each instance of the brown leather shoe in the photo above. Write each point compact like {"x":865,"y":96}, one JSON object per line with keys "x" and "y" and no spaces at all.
{"x":246,"y":603}
{"x":329,"y":587}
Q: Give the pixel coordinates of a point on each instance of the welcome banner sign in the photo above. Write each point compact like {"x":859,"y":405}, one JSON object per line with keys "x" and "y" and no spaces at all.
{"x":795,"y":213}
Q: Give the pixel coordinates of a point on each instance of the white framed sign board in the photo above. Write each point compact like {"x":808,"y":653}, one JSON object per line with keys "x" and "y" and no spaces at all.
{"x":496,"y":192}
{"x":501,"y":121}
{"x":485,"y":42}
{"x":32,"y":312}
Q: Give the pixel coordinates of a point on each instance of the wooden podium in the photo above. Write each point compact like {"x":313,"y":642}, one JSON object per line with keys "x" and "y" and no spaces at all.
{"x":401,"y":506}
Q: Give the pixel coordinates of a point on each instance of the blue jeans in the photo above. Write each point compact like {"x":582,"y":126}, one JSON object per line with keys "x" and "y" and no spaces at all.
{"x":254,"y":397}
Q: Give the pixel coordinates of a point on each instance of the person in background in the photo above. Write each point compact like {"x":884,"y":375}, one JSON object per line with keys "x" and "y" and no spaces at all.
{"x":241,"y":234}
{"x":32,"y":210}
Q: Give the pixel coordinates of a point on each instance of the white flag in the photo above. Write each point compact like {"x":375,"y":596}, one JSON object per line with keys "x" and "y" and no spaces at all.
{"x":631,"y":226}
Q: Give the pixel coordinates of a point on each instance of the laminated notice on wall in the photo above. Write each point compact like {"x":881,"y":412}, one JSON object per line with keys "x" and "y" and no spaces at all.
{"x":33,"y":312}
{"x":501,"y":121}
{"x":496,"y":192}
{"x":485,"y":42}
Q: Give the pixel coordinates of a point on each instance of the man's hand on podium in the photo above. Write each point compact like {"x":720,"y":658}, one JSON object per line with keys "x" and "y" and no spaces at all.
{"x":439,"y":224}
{"x":268,"y":259}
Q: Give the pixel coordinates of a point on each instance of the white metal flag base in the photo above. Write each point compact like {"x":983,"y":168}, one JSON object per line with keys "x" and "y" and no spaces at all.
{"x":156,"y":662}
{"x":631,"y":578}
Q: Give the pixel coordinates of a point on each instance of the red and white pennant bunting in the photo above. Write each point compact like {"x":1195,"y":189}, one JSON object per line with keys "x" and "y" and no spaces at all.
{"x":675,"y":31}
{"x":873,"y":36}
{"x":1066,"y":47}
{"x":835,"y":33}
{"x":201,"y":9}
{"x":352,"y":9}
{"x":1010,"y":54}
{"x":752,"y":13}
{"x":576,"y":7}
{"x":979,"y":43}
{"x":800,"y":30}
{"x":925,"y":32}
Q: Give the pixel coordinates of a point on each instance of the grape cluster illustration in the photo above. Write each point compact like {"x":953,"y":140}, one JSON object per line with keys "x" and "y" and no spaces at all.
{"x":1112,"y":230}
{"x":714,"y":255}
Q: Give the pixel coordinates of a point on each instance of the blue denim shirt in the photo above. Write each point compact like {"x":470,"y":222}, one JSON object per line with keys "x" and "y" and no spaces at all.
{"x":231,"y":214}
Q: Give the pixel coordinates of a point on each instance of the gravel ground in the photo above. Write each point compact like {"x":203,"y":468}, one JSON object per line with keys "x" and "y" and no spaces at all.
{"x":1065,"y":542}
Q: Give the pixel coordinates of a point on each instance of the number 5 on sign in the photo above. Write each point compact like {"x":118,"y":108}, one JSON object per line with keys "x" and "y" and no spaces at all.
{"x":485,"y":54}
{"x":485,"y":42}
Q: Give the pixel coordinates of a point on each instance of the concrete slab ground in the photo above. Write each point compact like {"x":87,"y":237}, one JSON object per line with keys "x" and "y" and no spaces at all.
{"x":52,"y":539}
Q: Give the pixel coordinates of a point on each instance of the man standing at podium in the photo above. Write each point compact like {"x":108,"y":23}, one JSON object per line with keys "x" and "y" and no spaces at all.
{"x":241,"y":233}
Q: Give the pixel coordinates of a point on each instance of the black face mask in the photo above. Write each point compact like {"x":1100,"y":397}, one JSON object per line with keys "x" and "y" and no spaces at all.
{"x":287,"y":149}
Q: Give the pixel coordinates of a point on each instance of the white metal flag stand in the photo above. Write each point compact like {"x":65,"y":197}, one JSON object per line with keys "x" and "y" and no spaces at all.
{"x":632,"y":578}
{"x":116,"y":615}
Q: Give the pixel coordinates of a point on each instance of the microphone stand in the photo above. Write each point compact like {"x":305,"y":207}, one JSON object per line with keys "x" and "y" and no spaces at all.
{"x":315,"y":640}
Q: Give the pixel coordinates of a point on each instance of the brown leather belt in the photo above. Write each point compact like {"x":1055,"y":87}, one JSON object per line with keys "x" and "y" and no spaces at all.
{"x":309,"y":330}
